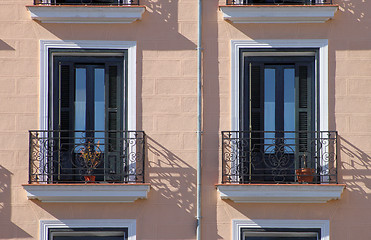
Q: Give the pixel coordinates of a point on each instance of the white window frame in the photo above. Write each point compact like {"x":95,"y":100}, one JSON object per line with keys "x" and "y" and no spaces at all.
{"x":130,"y":46}
{"x":320,"y":44}
{"x":46,"y":45}
{"x":237,"y":226}
{"x":302,"y":44}
{"x":130,"y":224}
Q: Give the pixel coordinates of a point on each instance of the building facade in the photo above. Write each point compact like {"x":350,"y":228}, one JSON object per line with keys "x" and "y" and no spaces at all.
{"x":98,"y":119}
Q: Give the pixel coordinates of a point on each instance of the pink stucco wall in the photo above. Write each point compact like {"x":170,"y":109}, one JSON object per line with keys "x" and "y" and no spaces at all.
{"x":166,"y":110}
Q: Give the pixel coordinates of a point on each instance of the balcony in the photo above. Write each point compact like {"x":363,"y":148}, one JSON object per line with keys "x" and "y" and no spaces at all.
{"x":86,"y":11}
{"x":279,"y":2}
{"x":86,"y":166}
{"x":278,"y":11}
{"x":88,"y":2}
{"x":279,"y":166}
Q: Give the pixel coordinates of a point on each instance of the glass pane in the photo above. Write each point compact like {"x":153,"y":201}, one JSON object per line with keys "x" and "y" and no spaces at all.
{"x":269,"y":108}
{"x":289,"y":108}
{"x":280,"y":235}
{"x":80,"y":100}
{"x":88,"y":238}
{"x":280,"y":238}
{"x":99,"y":107}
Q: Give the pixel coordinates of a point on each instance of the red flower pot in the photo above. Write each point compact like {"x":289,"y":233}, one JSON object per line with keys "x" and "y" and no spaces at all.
{"x":89,"y":178}
{"x":305,"y":175}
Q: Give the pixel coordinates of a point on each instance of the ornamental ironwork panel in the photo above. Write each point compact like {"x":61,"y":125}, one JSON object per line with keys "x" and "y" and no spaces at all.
{"x":87,"y":2}
{"x":278,"y":2}
{"x":279,"y":157}
{"x":86,"y":156}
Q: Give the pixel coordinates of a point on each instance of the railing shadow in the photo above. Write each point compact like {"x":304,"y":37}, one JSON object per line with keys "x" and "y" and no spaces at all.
{"x":171,"y":177}
{"x":354,"y":9}
{"x":355,"y":169}
{"x":7,"y":228}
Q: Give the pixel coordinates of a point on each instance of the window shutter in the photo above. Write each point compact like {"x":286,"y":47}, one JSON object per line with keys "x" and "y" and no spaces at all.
{"x":252,"y":121}
{"x":256,"y":112}
{"x":66,"y":97}
{"x":114,"y":123}
{"x":304,"y":107}
{"x":65,"y":120}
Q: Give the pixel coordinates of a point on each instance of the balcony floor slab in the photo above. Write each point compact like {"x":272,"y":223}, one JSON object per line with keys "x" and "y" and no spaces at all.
{"x":86,"y":14}
{"x":280,"y":193}
{"x":278,"y":13}
{"x":86,"y":192}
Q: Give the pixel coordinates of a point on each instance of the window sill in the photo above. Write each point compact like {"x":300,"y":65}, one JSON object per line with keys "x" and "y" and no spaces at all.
{"x":279,"y":14}
{"x":280,"y":193}
{"x":86,"y":192}
{"x":86,"y":14}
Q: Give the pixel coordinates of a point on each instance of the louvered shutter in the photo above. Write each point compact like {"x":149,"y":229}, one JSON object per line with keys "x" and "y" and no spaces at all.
{"x":65,"y":120}
{"x":251,"y":149}
{"x":304,"y":113}
{"x":114,"y":123}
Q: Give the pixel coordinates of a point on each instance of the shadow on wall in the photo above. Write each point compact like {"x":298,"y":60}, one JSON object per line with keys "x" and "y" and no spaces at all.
{"x":171,"y":177}
{"x":7,"y":228}
{"x":5,"y":46}
{"x":159,"y":24}
{"x":355,"y":168}
{"x":354,"y":8}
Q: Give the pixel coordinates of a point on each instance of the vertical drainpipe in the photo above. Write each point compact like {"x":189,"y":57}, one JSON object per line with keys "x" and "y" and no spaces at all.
{"x":199,"y":119}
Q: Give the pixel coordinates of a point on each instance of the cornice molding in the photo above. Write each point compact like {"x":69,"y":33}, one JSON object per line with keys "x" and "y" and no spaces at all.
{"x":86,"y":192}
{"x":279,"y":14}
{"x":86,"y":14}
{"x":280,"y":193}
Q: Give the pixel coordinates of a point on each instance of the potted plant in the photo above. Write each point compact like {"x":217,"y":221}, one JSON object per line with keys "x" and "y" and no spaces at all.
{"x":305,"y":174}
{"x":90,"y":155}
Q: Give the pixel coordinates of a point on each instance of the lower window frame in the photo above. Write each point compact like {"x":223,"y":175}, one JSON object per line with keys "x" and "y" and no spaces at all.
{"x":86,"y":224}
{"x":322,"y":225}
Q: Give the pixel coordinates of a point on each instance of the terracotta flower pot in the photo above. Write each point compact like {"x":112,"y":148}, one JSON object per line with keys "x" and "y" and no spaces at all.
{"x":305,"y":175}
{"x":89,"y":178}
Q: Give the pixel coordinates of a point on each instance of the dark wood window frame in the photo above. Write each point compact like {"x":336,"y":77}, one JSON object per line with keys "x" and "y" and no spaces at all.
{"x":281,"y":234}
{"x":88,"y":233}
{"x":113,"y":61}
{"x":258,"y":59}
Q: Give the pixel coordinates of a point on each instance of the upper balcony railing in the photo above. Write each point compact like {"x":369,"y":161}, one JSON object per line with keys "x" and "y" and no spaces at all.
{"x":86,"y":156}
{"x":279,"y":157}
{"x":279,"y":2}
{"x":87,"y":2}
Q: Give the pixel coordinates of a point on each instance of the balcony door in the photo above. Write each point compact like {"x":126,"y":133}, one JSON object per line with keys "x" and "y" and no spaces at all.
{"x":88,"y":115}
{"x":93,"y":2}
{"x":277,"y":117}
{"x":268,"y":2}
{"x":280,"y":234}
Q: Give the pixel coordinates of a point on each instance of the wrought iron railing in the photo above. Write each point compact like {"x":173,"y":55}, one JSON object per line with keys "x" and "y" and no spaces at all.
{"x":86,"y":2}
{"x":279,"y":157}
{"x":278,"y":2}
{"x":79,"y":156}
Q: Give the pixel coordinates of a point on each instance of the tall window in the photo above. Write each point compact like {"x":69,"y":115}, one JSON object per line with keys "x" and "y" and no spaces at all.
{"x":280,"y":234}
{"x":87,"y":113}
{"x":277,"y":113}
{"x":276,"y":1}
{"x":93,"y":2}
{"x":88,"y":234}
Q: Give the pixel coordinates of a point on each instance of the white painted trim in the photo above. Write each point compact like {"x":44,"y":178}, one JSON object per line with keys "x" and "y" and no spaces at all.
{"x":320,"y":44}
{"x":281,"y":193}
{"x":87,"y":192}
{"x":130,"y":46}
{"x":130,"y":224}
{"x":278,"y":14}
{"x":237,"y":225}
{"x":84,"y":14}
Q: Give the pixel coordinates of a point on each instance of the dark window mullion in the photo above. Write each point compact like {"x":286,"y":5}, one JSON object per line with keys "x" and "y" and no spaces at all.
{"x":90,"y":82}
